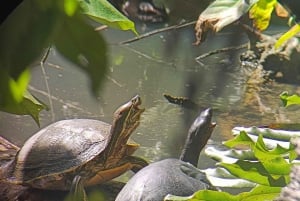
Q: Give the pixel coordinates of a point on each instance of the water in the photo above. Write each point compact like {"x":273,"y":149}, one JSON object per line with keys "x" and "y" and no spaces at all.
{"x":163,"y":63}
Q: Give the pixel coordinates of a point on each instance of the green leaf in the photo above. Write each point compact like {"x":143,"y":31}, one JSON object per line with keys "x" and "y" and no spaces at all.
{"x":28,"y":106}
{"x":24,"y":35}
{"x":79,"y":43}
{"x":203,"y":195}
{"x":255,"y":172}
{"x":241,"y":139}
{"x":262,"y":148}
{"x":103,"y":12}
{"x":261,"y":13}
{"x":18,"y":87}
{"x":14,"y":97}
{"x":289,"y":99}
{"x":259,"y":193}
{"x":287,"y":35}
{"x":229,"y":156}
{"x":70,"y":7}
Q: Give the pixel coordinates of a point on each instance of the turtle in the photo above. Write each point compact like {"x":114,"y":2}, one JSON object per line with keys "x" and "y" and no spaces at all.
{"x":173,"y":176}
{"x":74,"y":153}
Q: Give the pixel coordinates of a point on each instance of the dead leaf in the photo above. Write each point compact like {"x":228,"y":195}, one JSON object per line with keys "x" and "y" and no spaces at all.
{"x":281,"y":11}
{"x":218,"y":15}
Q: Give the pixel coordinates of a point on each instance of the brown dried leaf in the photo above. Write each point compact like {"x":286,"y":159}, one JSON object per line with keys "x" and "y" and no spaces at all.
{"x":218,"y":15}
{"x":281,"y":11}
{"x":202,"y":27}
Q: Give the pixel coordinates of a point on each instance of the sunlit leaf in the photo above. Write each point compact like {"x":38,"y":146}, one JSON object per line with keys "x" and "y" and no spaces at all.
{"x":103,"y":12}
{"x":70,"y":7}
{"x":261,"y":13}
{"x":28,"y":106}
{"x":79,"y":43}
{"x":18,"y":87}
{"x":259,"y":193}
{"x":229,"y":156}
{"x":287,"y":35}
{"x":262,"y":148}
{"x":289,"y":99}
{"x":219,"y":14}
{"x":272,"y":160}
{"x":241,"y":139}
{"x":204,"y":195}
{"x":255,"y":172}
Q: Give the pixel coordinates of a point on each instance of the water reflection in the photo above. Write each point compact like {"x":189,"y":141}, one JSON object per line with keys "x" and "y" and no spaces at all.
{"x":142,"y":68}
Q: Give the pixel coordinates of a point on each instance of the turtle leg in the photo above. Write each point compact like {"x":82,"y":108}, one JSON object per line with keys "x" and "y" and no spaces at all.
{"x":136,"y":162}
{"x":77,"y":192}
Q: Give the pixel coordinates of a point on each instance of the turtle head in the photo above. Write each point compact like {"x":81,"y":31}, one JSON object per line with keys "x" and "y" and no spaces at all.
{"x":126,"y":119}
{"x":198,"y":135}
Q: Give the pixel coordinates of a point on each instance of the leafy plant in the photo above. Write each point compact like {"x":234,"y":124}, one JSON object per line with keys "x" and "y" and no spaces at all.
{"x":222,"y":13}
{"x":289,"y":99}
{"x":35,"y":26}
{"x":219,"y":14}
{"x":249,"y":162}
{"x":259,"y":193}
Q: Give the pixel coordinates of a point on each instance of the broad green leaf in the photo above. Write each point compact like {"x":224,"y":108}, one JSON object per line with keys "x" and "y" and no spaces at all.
{"x":273,"y":139}
{"x":28,"y":106}
{"x":229,"y":156}
{"x":14,"y":97}
{"x":278,"y":150}
{"x":241,"y":139}
{"x":273,"y":159}
{"x":18,"y":87}
{"x":79,"y":43}
{"x":259,"y":193}
{"x":262,"y":193}
{"x":277,"y":166}
{"x":255,"y":172}
{"x":24,"y":35}
{"x":103,"y":12}
{"x":265,"y":155}
{"x":261,"y":13}
{"x":289,"y":99}
{"x":204,"y":195}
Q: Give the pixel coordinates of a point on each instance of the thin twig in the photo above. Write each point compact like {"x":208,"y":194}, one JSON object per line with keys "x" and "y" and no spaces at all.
{"x":114,"y":81}
{"x":45,"y":57}
{"x":178,"y":26}
{"x":218,"y":51}
{"x":147,"y":56}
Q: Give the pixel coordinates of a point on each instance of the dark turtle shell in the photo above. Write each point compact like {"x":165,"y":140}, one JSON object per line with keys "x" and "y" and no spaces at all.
{"x":158,"y":179}
{"x":173,"y":176}
{"x":57,"y":149}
